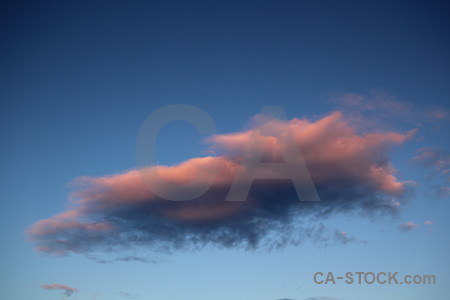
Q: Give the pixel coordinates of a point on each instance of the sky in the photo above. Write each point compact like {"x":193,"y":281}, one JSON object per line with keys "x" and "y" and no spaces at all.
{"x":357,"y":112}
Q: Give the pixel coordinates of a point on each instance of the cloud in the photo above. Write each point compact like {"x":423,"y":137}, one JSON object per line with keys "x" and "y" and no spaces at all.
{"x":428,"y":222}
{"x":408,"y":226}
{"x":128,"y":295}
{"x":142,"y":258}
{"x":438,"y":159}
{"x":439,"y":162}
{"x":321,"y":298}
{"x":378,"y":105}
{"x":351,"y":172}
{"x":68,"y":291}
{"x":441,"y":192}
{"x":344,"y":238}
{"x":373,"y":100}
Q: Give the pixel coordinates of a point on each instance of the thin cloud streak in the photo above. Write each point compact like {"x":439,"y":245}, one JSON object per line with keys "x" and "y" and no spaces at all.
{"x":68,"y":291}
{"x":408,"y":226}
{"x":378,"y":105}
{"x":321,"y":298}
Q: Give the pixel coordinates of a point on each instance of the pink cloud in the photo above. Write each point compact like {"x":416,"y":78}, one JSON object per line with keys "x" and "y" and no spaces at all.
{"x":351,"y":172}
{"x":68,"y":291}
{"x":408,"y":226}
{"x":329,"y":146}
{"x":344,"y":238}
{"x":438,"y":114}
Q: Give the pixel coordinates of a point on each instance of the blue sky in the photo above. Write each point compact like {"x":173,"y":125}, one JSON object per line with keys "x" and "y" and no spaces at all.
{"x":79,"y":78}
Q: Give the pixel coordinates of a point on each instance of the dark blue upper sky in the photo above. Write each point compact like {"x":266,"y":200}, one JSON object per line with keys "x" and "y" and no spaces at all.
{"x":104,"y":65}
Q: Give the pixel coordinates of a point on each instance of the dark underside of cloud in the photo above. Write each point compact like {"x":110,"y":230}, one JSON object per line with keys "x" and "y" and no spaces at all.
{"x":351,"y":172}
{"x":67,"y":290}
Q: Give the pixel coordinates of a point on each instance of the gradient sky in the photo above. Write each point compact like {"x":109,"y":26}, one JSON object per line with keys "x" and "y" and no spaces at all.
{"x":78,"y":78}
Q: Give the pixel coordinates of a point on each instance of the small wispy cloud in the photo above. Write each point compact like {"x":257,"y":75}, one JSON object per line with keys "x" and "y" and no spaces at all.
{"x":438,"y":114}
{"x":344,"y":238}
{"x":438,"y":160}
{"x":321,"y":298}
{"x":128,"y":295}
{"x":67,"y":290}
{"x":382,"y":109}
{"x":408,"y":226}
